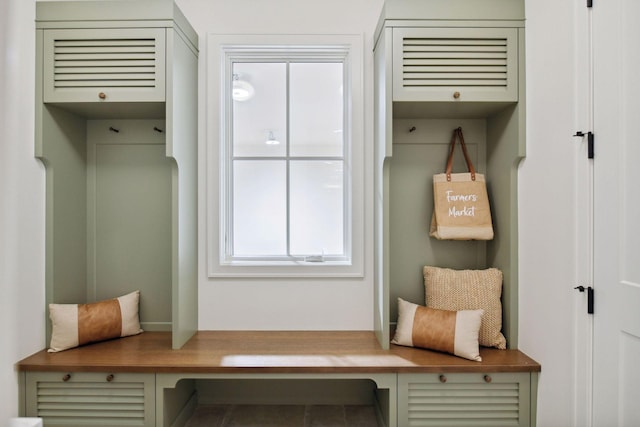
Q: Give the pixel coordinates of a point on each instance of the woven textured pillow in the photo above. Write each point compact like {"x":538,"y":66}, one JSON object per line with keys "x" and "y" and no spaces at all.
{"x":78,"y":324}
{"x":453,"y":332}
{"x":448,"y":289}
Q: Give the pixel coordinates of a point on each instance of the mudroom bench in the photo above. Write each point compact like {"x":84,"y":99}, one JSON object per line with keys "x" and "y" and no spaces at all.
{"x":142,"y":381}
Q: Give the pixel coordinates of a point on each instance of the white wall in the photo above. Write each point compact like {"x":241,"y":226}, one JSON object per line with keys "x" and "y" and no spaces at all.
{"x":21,"y":203}
{"x":547,"y":207}
{"x":547,"y":196}
{"x":290,"y":303}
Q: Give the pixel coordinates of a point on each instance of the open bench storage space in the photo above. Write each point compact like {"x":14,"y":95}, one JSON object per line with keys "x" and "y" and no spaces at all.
{"x":229,"y":391}
{"x":281,"y":400}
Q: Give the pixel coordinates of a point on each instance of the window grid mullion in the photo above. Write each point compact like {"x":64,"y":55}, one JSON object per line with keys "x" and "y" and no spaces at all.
{"x":346,"y":159}
{"x":230,"y":208}
{"x":288,"y":161}
{"x":292,"y":158}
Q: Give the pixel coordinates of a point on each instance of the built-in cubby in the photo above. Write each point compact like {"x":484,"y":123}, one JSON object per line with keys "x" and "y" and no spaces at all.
{"x":439,"y":67}
{"x":116,"y":128}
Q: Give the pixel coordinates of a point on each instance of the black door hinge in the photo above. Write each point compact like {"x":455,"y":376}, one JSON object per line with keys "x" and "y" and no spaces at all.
{"x":589,"y":3}
{"x":590,"y":142}
{"x":589,"y":290}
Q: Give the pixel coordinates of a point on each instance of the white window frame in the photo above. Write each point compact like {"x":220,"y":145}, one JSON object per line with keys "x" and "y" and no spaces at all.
{"x":223,"y":51}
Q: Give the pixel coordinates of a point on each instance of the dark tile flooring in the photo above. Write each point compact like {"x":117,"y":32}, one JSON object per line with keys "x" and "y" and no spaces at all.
{"x":284,"y":415}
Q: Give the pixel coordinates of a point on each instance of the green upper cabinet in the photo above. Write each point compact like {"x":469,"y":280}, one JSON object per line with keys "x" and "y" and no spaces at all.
{"x":455,"y":64}
{"x":104,"y":65}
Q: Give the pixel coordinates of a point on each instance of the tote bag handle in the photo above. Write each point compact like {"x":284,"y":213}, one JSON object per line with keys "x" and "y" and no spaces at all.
{"x":457,"y":133}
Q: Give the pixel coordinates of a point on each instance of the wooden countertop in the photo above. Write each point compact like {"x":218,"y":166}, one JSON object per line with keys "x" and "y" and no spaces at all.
{"x":268,"y":352}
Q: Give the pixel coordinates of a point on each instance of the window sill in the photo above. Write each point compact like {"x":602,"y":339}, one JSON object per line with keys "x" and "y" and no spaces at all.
{"x":261,"y":269}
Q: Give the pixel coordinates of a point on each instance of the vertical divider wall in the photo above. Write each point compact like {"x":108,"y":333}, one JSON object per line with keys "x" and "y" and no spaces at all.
{"x":461,"y":64}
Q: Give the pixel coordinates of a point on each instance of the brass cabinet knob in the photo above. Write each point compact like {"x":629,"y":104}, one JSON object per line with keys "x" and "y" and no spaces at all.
{"x":487,"y":378}
{"x":456,"y":95}
{"x":110,"y":377}
{"x":66,"y":378}
{"x":442,"y":378}
{"x":102,"y":95}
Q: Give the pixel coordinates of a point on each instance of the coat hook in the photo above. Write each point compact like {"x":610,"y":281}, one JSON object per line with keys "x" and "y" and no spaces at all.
{"x":413,"y":128}
{"x":112,"y":129}
{"x":157,"y":129}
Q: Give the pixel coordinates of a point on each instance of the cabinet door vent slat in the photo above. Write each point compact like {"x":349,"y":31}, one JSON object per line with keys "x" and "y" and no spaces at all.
{"x":463,"y":387}
{"x":454,"y":62}
{"x":104,"y":63}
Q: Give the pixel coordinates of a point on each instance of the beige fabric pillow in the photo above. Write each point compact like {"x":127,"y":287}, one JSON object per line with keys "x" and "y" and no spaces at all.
{"x":78,"y":324}
{"x":448,"y":289}
{"x":453,"y":332}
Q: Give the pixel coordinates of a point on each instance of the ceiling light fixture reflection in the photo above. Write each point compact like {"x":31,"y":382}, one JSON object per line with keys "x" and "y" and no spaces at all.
{"x":242,"y":90}
{"x":272,"y":140}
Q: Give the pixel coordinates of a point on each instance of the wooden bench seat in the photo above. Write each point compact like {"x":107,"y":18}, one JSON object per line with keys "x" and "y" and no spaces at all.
{"x":268,"y":352}
{"x":258,"y":366}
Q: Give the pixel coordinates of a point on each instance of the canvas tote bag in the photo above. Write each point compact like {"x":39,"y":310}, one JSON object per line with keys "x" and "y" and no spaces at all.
{"x":461,"y":205}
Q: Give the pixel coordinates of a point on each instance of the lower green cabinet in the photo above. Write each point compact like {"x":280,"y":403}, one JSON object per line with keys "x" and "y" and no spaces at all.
{"x":455,"y":399}
{"x":91,"y":399}
{"x":86,"y":399}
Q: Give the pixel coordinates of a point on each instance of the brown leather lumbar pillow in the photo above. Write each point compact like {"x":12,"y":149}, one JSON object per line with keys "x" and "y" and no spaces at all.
{"x":453,"y":332}
{"x":74,"y":325}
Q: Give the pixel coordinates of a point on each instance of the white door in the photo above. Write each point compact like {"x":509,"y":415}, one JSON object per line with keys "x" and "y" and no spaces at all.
{"x":616,"y":115}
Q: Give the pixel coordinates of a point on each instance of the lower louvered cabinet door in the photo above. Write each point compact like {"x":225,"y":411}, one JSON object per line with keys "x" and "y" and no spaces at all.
{"x":91,"y":399}
{"x":491,"y":400}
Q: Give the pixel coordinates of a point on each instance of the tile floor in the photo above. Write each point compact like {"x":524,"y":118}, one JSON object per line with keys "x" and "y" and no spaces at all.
{"x":284,"y":415}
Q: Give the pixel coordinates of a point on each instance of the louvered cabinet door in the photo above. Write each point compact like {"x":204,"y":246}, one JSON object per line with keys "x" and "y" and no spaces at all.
{"x":104,"y":65}
{"x":464,"y":400}
{"x":91,"y":399}
{"x":455,"y":64}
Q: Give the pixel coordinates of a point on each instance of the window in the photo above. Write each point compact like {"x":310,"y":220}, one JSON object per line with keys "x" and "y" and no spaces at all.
{"x":289,"y":155}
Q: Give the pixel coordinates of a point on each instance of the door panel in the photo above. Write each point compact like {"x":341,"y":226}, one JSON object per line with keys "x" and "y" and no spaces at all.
{"x":629,"y":380}
{"x":616,"y":214}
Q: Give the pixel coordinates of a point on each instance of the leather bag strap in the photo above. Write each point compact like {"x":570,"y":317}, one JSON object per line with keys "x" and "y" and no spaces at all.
{"x":457,"y":134}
